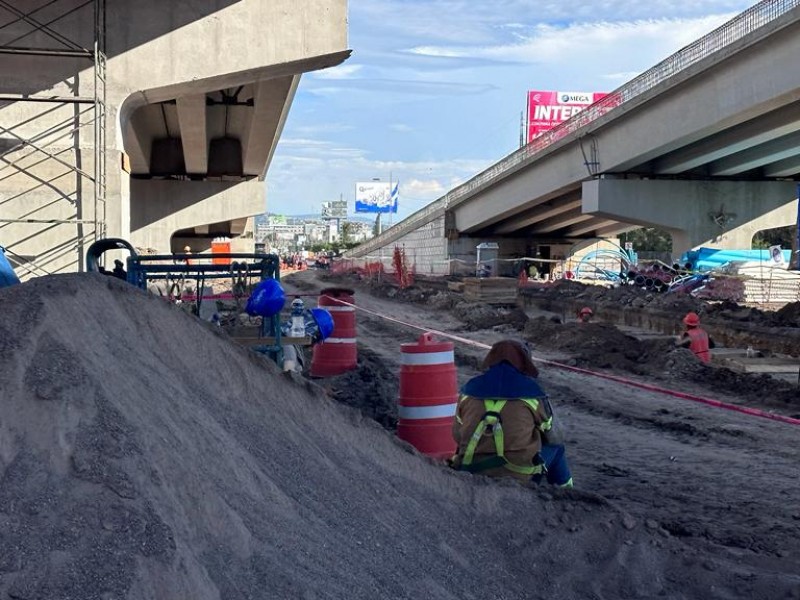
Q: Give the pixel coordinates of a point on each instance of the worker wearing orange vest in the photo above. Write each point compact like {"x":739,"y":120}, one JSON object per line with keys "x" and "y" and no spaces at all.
{"x":695,"y":338}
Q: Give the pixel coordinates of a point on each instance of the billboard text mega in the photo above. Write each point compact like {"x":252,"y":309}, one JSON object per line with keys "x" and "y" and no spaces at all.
{"x":548,"y":109}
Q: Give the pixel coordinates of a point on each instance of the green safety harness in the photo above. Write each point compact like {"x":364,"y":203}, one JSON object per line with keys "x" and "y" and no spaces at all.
{"x":491,"y":424}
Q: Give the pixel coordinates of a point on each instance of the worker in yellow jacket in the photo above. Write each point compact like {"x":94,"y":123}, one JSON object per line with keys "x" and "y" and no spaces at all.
{"x":504,"y":422}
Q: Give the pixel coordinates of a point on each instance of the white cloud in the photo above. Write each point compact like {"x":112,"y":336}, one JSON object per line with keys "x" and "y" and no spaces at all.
{"x":406,"y":87}
{"x":441,"y":51}
{"x":329,"y":90}
{"x":400,"y":127}
{"x":311,"y":130}
{"x":430,"y":188}
{"x":344,"y":71}
{"x":620,"y":77}
{"x":317,"y":148}
{"x":584,"y":41}
{"x":467,"y":22}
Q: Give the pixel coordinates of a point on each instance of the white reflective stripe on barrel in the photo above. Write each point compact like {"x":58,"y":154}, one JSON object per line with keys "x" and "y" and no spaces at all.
{"x":340,"y":340}
{"x":339,"y":308}
{"x":427,"y":358}
{"x":426,"y":412}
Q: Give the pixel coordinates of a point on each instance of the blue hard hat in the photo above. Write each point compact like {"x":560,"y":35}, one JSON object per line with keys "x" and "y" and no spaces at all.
{"x":266,"y":300}
{"x":324,"y":322}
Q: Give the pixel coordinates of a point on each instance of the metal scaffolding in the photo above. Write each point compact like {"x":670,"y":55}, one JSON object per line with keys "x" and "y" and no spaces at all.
{"x":50,"y":141}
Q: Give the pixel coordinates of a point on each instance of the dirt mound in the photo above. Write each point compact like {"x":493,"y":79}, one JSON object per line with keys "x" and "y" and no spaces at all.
{"x":372,"y":389}
{"x":144,"y":455}
{"x":482,"y":316}
{"x":593,"y":344}
{"x":443,"y":300}
{"x":789,"y":315}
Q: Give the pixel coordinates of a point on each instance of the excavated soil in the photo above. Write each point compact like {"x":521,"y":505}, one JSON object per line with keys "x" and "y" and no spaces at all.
{"x":604,"y":346}
{"x":143,"y":455}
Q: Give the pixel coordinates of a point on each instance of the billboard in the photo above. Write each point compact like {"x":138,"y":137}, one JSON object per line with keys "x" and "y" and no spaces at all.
{"x":376,"y":197}
{"x":337,"y":209}
{"x":548,"y":109}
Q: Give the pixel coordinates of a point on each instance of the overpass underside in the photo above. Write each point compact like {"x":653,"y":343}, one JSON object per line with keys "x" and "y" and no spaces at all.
{"x":149,"y":120}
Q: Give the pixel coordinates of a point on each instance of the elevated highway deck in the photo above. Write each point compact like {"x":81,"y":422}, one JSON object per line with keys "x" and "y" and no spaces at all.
{"x":704,"y":145}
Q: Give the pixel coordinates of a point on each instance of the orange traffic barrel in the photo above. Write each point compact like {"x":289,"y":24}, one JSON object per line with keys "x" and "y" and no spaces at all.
{"x":220,"y":246}
{"x":337,"y":354}
{"x":428,"y":396}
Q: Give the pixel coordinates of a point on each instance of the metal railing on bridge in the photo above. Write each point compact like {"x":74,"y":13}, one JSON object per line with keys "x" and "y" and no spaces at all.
{"x":737,"y":28}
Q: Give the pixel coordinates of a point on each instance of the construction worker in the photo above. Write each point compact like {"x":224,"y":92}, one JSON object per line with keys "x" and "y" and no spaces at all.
{"x":119,"y":270}
{"x":585,"y":314}
{"x":695,"y":338}
{"x":504,"y":425}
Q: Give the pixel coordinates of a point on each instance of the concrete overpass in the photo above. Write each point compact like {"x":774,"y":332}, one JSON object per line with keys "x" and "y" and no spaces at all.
{"x":149,"y":120}
{"x":705,"y":145}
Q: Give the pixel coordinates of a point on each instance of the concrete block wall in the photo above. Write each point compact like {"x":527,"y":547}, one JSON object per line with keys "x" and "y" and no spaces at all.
{"x":426,"y":249}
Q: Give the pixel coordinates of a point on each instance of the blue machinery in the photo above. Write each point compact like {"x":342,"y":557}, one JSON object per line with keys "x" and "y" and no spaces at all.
{"x":243,"y":269}
{"x":174,"y":270}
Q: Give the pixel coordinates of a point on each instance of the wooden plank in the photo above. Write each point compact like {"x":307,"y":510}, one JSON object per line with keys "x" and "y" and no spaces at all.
{"x":763,"y":365}
{"x":720,"y":353}
{"x":455,"y":286}
{"x":643,"y":334}
{"x":491,"y":290}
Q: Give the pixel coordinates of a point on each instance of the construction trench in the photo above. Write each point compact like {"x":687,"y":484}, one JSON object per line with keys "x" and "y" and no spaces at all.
{"x":144,"y":454}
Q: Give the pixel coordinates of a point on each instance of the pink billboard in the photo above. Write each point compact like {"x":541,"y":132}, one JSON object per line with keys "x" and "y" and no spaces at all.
{"x":548,"y":109}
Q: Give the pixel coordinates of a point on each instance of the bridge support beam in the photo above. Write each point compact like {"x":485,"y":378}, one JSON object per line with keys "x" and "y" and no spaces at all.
{"x":720,"y":214}
{"x":168,"y":206}
{"x":194,"y":136}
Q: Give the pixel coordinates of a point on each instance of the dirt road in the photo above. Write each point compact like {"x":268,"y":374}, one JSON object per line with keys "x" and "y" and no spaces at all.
{"x":725,"y":483}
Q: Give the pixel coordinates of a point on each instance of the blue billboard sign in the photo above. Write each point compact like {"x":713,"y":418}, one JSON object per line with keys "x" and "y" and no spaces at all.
{"x":376,"y":197}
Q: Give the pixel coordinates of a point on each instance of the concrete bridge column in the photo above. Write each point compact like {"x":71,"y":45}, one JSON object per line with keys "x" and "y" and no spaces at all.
{"x":721,"y":214}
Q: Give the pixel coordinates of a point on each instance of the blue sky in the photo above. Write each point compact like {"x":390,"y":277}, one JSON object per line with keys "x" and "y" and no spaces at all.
{"x":433,"y":91}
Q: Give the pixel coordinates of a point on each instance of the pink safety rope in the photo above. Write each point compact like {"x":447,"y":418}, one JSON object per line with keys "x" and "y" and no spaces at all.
{"x":753,"y":412}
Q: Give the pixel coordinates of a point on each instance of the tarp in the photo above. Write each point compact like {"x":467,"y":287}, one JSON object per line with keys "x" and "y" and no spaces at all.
{"x":705,"y":259}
